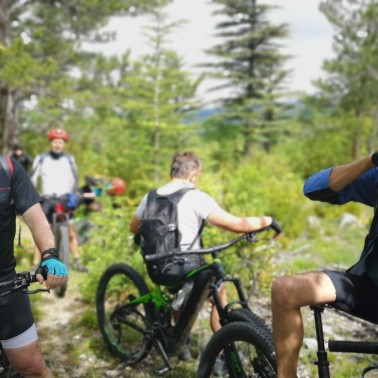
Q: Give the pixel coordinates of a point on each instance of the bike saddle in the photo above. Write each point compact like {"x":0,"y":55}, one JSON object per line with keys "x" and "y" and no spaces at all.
{"x":339,"y":306}
{"x":336,"y":305}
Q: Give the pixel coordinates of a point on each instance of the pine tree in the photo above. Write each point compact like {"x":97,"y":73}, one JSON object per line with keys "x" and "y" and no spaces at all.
{"x":157,"y":92}
{"x":350,"y":87}
{"x":250,"y":67}
{"x":40,"y":48}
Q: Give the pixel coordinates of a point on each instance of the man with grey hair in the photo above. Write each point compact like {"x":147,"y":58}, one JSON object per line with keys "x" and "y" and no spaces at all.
{"x":195,"y":207}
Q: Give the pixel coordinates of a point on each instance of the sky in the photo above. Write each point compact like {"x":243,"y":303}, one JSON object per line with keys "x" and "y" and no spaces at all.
{"x":309,"y":42}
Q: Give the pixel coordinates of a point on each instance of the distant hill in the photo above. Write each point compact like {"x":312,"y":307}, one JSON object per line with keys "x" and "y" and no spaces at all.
{"x":201,"y":115}
{"x":295,"y":108}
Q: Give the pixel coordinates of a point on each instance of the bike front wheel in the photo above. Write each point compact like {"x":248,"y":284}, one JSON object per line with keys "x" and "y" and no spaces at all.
{"x":246,"y":314}
{"x":62,"y":241}
{"x":246,"y":350}
{"x":124,"y":321}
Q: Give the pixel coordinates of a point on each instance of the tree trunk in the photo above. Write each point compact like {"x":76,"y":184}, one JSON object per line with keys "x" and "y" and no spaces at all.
{"x":248,"y":138}
{"x":9,"y":118}
{"x":8,"y":100}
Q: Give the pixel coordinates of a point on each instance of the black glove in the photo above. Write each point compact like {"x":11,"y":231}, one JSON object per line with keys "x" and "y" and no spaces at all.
{"x":276,"y":226}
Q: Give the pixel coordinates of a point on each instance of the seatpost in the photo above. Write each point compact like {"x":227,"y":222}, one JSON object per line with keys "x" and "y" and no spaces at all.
{"x":322,"y":362}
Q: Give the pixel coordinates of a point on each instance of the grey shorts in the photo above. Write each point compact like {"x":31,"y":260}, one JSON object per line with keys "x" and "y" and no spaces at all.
{"x":16,"y":319}
{"x":356,"y":295}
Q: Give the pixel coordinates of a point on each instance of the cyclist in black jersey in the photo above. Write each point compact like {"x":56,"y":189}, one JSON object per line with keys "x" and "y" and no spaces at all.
{"x":18,"y":333}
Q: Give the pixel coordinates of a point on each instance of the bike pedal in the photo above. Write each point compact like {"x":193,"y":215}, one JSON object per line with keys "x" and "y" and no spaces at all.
{"x":163,"y":371}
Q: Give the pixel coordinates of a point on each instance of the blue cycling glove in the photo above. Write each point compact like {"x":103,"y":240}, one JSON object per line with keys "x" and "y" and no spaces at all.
{"x":54,"y":266}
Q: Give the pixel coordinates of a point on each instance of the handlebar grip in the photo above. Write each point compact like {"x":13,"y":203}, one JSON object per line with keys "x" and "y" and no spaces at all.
{"x":276,"y":226}
{"x":158,"y":257}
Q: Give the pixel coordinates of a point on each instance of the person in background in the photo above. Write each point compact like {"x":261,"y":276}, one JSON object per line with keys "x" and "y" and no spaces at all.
{"x":195,"y":207}
{"x":24,"y":159}
{"x":18,"y":333}
{"x":58,"y":176}
{"x":355,"y":290}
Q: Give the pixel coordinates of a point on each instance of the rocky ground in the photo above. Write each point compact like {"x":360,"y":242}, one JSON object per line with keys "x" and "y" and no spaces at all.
{"x":72,"y":352}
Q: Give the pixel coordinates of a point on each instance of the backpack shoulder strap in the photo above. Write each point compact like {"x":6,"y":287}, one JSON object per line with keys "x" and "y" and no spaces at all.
{"x":176,"y":196}
{"x":7,"y":165}
{"x":74,"y":171}
{"x":39,"y":161}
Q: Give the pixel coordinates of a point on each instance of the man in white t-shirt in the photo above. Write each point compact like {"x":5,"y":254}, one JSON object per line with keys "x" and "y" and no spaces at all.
{"x":197,"y":206}
{"x":57,"y":174}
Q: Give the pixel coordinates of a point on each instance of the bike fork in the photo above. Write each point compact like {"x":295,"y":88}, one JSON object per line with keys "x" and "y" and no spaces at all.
{"x":167,"y":366}
{"x":234,"y":363}
{"x":322,"y":362}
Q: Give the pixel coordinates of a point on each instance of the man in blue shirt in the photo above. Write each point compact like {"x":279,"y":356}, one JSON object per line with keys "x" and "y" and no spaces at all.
{"x":356,"y":289}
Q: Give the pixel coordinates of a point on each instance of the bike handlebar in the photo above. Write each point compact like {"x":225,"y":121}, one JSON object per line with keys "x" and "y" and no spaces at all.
{"x":22,"y":281}
{"x":251,"y":237}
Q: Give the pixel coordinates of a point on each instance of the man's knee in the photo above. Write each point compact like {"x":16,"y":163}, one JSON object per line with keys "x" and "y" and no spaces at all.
{"x":28,"y":360}
{"x":283,"y":291}
{"x":37,"y":368}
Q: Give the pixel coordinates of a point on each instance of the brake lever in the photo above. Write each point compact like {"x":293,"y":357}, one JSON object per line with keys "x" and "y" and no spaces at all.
{"x":27,"y":291}
{"x":251,"y":237}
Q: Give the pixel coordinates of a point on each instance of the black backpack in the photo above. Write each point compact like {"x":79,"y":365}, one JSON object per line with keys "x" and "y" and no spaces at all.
{"x":159,"y":234}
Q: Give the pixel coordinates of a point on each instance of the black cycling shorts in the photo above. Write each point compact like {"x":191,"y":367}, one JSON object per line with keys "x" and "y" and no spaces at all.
{"x":15,"y":315}
{"x":357,"y":294}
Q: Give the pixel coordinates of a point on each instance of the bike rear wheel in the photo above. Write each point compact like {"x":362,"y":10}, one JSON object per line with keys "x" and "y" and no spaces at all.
{"x":247,"y":350}
{"x":62,"y":242}
{"x":125,"y":326}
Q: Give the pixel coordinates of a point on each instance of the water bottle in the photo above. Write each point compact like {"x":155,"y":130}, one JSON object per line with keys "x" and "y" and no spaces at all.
{"x":178,"y":302}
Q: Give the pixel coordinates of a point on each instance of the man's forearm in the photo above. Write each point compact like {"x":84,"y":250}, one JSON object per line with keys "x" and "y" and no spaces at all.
{"x":343,"y":175}
{"x":39,"y":227}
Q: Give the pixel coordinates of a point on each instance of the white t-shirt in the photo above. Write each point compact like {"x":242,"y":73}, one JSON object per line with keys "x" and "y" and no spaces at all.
{"x":194,"y":207}
{"x":58,"y":176}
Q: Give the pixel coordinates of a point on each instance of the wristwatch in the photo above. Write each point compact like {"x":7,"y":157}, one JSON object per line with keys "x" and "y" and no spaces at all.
{"x":50,"y":252}
{"x":374,"y":158}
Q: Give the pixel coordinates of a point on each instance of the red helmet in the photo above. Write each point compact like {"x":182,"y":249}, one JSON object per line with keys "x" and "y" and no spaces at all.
{"x":58,"y":134}
{"x":116,"y":187}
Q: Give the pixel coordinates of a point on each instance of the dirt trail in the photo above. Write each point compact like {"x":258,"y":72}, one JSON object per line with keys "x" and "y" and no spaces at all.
{"x":60,"y":334}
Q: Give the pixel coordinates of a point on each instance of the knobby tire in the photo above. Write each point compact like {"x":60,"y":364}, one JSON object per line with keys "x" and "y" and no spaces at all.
{"x":247,"y":349}
{"x":245,"y":314}
{"x":125,"y":327}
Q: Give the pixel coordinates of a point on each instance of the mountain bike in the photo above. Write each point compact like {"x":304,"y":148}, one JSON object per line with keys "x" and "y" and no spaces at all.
{"x":20,"y":283}
{"x":342,"y":346}
{"x":133,"y":319}
{"x":233,"y":340}
{"x":61,"y":230}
